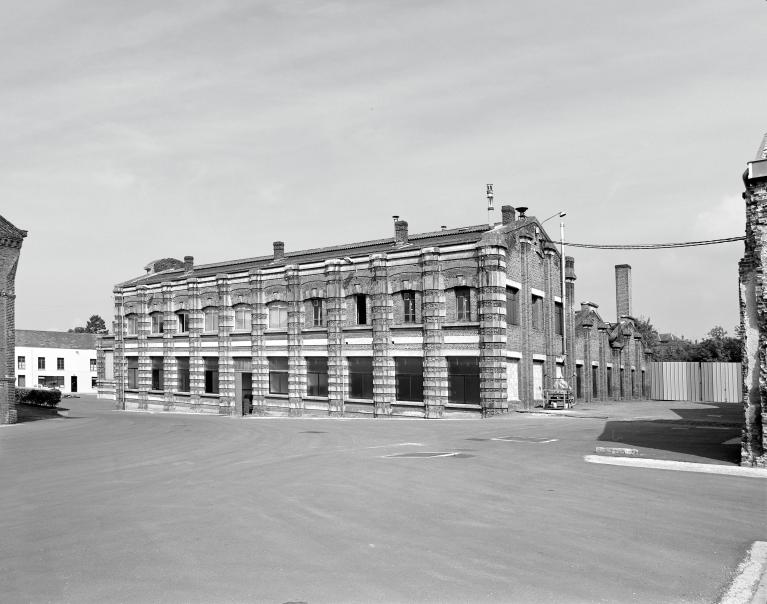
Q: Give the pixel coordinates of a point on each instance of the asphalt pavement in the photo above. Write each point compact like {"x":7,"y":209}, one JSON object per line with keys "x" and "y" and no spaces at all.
{"x":107,"y":506}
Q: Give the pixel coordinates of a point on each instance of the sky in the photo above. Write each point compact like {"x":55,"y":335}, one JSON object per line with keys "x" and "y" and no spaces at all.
{"x":140,"y":130}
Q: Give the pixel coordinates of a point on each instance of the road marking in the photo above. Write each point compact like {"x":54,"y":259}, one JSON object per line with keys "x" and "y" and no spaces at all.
{"x":744,"y":586}
{"x":396,"y":445}
{"x":733,"y":441}
{"x":420,"y":455}
{"x":525,"y":439}
{"x":617,"y":450}
{"x":681,"y":466}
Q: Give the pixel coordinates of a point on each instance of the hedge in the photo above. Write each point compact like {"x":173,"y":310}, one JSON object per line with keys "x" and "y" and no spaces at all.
{"x":41,"y":397}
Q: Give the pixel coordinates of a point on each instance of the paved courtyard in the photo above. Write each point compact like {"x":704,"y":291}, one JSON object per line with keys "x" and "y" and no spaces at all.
{"x":105,"y":506}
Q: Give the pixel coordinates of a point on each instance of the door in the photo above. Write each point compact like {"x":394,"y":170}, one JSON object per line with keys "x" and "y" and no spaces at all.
{"x":243,"y":392}
{"x":73,"y":383}
{"x":512,"y":380}
{"x":538,"y":381}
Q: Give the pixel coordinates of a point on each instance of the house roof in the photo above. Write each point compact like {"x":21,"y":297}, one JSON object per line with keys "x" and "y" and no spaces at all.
{"x":34,"y":338}
{"x":7,"y":230}
{"x":461,"y":235}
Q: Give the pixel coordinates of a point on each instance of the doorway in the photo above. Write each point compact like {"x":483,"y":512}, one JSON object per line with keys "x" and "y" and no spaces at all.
{"x":243,"y":392}
{"x":73,"y":383}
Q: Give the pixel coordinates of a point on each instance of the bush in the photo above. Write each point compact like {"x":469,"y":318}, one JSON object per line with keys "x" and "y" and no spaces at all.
{"x":41,"y":397}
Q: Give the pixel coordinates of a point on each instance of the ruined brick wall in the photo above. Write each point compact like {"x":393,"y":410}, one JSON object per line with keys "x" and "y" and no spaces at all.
{"x":753,"y":314}
{"x":10,"y":246}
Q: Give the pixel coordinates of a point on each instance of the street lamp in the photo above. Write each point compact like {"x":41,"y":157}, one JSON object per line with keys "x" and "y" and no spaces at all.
{"x":561,"y":215}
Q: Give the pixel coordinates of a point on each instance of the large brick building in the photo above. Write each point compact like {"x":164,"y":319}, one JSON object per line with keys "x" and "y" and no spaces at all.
{"x":11,"y":239}
{"x":453,"y":322}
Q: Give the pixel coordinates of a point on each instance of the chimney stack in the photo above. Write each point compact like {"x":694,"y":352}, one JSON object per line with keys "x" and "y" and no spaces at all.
{"x":279,"y":250}
{"x":188,"y":264}
{"x":400,"y":232}
{"x":623,"y":290}
{"x":508,"y":214}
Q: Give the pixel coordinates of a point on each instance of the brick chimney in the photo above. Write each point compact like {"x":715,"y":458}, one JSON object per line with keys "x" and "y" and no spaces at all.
{"x":400,"y":232}
{"x":279,"y":250}
{"x":623,"y":290}
{"x":508,"y":214}
{"x":188,"y":264}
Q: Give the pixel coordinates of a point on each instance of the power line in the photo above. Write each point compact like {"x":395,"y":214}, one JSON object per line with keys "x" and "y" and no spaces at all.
{"x":653,"y":246}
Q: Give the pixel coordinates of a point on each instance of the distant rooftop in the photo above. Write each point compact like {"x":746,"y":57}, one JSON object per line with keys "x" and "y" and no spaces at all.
{"x":34,"y":338}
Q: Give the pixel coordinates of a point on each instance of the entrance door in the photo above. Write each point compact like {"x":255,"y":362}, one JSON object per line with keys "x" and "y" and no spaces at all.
{"x":73,"y":383}
{"x":538,"y":381}
{"x":243,"y":392}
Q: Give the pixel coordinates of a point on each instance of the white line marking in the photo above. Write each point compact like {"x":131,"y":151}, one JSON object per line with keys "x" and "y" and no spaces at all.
{"x":732,"y":441}
{"x":745,"y":583}
{"x":396,"y":445}
{"x":682,"y":466}
{"x":523,"y":439}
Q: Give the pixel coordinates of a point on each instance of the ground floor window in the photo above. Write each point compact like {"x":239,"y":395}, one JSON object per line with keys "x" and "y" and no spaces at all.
{"x":408,"y":373}
{"x":622,"y":387}
{"x":22,"y":381}
{"x":278,"y":375}
{"x":609,"y":381}
{"x":512,"y":380}
{"x":595,"y":380}
{"x":157,"y":373}
{"x":51,"y":381}
{"x":182,"y":375}
{"x":579,"y":381}
{"x":93,"y":382}
{"x":361,"y":377}
{"x":316,"y":376}
{"x":211,"y":375}
{"x":463,"y":378}
{"x":132,"y":373}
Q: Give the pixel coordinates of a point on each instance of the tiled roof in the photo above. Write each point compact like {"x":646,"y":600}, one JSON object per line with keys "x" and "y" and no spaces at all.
{"x":9,"y":230}
{"x":33,"y":338}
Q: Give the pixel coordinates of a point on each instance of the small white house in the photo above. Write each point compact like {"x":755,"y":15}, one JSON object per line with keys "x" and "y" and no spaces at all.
{"x":56,"y":359}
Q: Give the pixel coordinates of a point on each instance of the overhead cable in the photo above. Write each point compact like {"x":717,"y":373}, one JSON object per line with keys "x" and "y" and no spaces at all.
{"x":652,"y":246}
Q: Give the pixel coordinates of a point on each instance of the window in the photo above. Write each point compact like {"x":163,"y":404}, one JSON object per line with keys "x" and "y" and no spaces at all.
{"x":157,"y":326}
{"x":318,"y":312}
{"x":623,"y":393}
{"x":408,"y":300}
{"x":22,"y":381}
{"x":60,"y":364}
{"x":41,"y":362}
{"x":579,"y":381}
{"x":609,"y":381}
{"x":93,"y":364}
{"x":211,"y":375}
{"x":182,"y":369}
{"x":52,"y":381}
{"x":463,"y":378}
{"x":183,"y":321}
{"x":157,"y":373}
{"x":462,"y":304}
{"x":278,"y":315}
{"x":131,"y":324}
{"x":512,"y":306}
{"x":409,"y":378}
{"x":536,"y":311}
{"x":133,"y":373}
{"x":316,"y":376}
{"x":360,"y":302}
{"x":595,"y":381}
{"x":559,"y":324}
{"x":22,"y":364}
{"x":361,"y":377}
{"x":94,"y":382}
{"x":278,"y":375}
{"x":211,"y":319}
{"x":242,"y":318}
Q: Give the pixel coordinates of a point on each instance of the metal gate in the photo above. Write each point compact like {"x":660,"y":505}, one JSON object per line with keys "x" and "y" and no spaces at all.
{"x":709,"y":382}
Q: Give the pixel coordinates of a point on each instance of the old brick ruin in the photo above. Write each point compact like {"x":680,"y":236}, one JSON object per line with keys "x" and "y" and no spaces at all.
{"x":753,"y":311}
{"x":11,"y":239}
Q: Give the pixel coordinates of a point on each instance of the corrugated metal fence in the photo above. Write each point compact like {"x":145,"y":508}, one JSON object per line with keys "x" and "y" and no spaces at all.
{"x":710,"y":382}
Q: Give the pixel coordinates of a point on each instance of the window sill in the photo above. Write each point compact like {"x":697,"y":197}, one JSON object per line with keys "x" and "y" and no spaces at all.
{"x":132,"y":390}
{"x":181,"y":334}
{"x":464,"y":406}
{"x":157,"y":392}
{"x":277,"y":395}
{"x":210,"y":395}
{"x":241,"y":332}
{"x":461,"y":324}
{"x":316,"y":398}
{"x":276,"y":330}
{"x":320,"y":328}
{"x":184,"y":394}
{"x":407,"y":326}
{"x":358,"y":400}
{"x":357,"y":327}
{"x":409,"y":403}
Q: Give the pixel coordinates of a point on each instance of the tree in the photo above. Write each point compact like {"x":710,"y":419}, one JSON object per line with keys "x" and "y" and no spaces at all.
{"x":648,"y":333}
{"x":94,"y":325}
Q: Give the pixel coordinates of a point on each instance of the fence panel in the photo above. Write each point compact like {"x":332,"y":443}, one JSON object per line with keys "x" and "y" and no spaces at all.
{"x":709,"y":382}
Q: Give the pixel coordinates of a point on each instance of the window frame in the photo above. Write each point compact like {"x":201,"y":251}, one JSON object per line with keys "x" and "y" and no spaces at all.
{"x":211,"y":375}
{"x":279,"y":309}
{"x":93,"y":364}
{"x":360,"y":380}
{"x":210,"y":319}
{"x":317,"y":376}
{"x":243,"y":318}
{"x":157,"y":325}
{"x":41,"y":363}
{"x":462,"y":293}
{"x":131,"y":376}
{"x":363,"y":307}
{"x":182,"y":374}
{"x":131,"y":324}
{"x":278,"y":375}
{"x":60,"y":364}
{"x":157,"y":374}
{"x":536,"y":312}
{"x":408,"y":384}
{"x":182,"y":321}
{"x":21,"y":362}
{"x":464,"y":380}
{"x":512,"y":305}
{"x":559,"y":319}
{"x":408,"y":306}
{"x":318,"y":311}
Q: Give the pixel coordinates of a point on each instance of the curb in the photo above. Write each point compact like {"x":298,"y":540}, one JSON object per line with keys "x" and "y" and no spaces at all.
{"x":750,"y":583}
{"x":680,"y":466}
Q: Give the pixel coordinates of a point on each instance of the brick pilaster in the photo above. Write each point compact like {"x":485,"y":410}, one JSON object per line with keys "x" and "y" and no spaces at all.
{"x":492,"y":329}
{"x":587,"y":357}
{"x":434,"y":311}
{"x":569,"y":310}
{"x":143,"y":327}
{"x":259,"y":321}
{"x":169,"y":363}
{"x":526,"y":394}
{"x":382,"y":316}
{"x":549,"y":331}
{"x":225,"y":361}
{"x":196,"y":362}
{"x":118,"y":327}
{"x":604,"y":345}
{"x":296,"y":362}
{"x":335,"y":308}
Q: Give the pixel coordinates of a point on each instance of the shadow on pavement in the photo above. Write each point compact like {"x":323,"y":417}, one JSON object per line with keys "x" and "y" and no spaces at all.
{"x":697,"y":433}
{"x":32,"y":413}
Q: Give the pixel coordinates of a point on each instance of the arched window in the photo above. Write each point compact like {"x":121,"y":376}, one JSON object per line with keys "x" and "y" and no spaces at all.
{"x":131,"y":325}
{"x":242,"y":317}
{"x":157,"y":326}
{"x":183,"y":321}
{"x":317,"y":308}
{"x":408,"y":302}
{"x":211,"y":318}
{"x":278,"y":315}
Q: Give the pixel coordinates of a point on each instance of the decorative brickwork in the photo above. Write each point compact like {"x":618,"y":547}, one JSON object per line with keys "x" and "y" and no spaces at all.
{"x":119,"y":357}
{"x":143,"y":326}
{"x":225,"y":360}
{"x":383,"y":363}
{"x":335,"y":307}
{"x":492,"y":330}
{"x":259,"y":321}
{"x":434,"y":364}
{"x":296,"y":362}
{"x":169,"y":363}
{"x":196,"y":362}
{"x":526,"y":323}
{"x":753,"y":315}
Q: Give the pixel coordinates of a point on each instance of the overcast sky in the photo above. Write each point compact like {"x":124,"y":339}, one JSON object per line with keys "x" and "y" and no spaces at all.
{"x":137,"y":130}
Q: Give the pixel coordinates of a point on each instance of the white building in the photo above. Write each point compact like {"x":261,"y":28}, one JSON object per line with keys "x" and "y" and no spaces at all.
{"x":57,"y":359}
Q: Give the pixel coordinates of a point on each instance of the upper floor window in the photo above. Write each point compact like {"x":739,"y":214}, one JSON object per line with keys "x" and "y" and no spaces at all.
{"x":211,"y":318}
{"x":157,"y":326}
{"x":361,"y":308}
{"x":41,"y":362}
{"x":408,"y":301}
{"x":183,"y":321}
{"x":242,"y":316}
{"x":559,"y":324}
{"x":512,"y":306}
{"x":22,"y":363}
{"x":278,"y":315}
{"x":93,"y":364}
{"x":131,"y":325}
{"x":60,"y":363}
{"x":462,"y":304}
{"x":536,"y":311}
{"x":318,"y":312}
